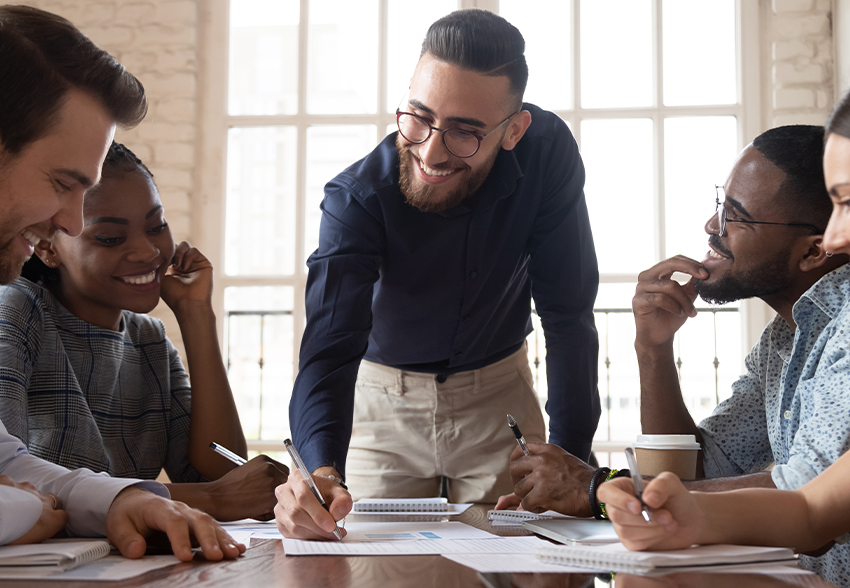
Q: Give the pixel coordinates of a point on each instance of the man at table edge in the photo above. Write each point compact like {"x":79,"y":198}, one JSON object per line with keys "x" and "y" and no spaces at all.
{"x":429,"y":256}
{"x":61,"y":98}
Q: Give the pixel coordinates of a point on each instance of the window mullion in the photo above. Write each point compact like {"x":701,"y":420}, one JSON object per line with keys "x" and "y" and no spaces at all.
{"x":299,"y":313}
{"x":658,"y":130}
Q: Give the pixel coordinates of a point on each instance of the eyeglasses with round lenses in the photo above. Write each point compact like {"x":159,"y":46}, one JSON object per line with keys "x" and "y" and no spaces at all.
{"x":460,"y":143}
{"x":722,"y":217}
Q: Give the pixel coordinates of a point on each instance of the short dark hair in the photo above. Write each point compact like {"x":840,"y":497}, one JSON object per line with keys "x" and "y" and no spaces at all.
{"x":119,"y":162}
{"x":839,"y":121}
{"x":482,"y":42}
{"x":797,"y":150}
{"x":42,"y":56}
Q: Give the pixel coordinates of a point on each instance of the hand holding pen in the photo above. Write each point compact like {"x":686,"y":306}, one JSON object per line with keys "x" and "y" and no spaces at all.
{"x":300,"y":513}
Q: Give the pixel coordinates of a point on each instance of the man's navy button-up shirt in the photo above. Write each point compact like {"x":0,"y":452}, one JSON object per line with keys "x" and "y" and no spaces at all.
{"x":451,"y":291}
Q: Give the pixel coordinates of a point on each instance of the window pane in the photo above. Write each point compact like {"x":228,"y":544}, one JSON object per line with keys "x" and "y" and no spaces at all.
{"x":619,"y":388}
{"x":263,"y":57}
{"x":547,"y":49}
{"x":698,"y":153}
{"x":343,"y":57}
{"x":408,"y":23}
{"x":261,"y":164}
{"x":330,"y":149}
{"x":700,"y":66}
{"x":616,"y":53}
{"x":260,"y":357}
{"x":618,"y":158}
{"x":702,"y":339}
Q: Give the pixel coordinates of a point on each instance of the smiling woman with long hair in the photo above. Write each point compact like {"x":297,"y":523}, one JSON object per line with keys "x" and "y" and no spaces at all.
{"x":90,"y":380}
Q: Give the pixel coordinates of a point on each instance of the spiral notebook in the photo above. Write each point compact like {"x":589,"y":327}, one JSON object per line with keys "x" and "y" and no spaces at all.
{"x":401,"y":505}
{"x":616,"y":558}
{"x":50,"y":557}
{"x":515,"y":518}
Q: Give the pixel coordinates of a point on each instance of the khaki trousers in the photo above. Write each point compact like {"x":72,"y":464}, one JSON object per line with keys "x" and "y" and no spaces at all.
{"x":411,"y":429}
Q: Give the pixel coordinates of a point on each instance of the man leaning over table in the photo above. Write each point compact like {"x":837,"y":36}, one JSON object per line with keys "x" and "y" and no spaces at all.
{"x":431,"y":249}
{"x":791,"y":406}
{"x":60,"y":100}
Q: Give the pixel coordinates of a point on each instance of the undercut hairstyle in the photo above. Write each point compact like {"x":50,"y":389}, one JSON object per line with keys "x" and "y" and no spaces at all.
{"x":483,"y":42}
{"x":119,"y":162}
{"x":797,"y":150}
{"x":839,"y":121}
{"x":43,"y":56}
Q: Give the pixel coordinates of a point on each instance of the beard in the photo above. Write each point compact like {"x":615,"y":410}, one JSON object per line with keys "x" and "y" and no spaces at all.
{"x":424,"y":196}
{"x":771,"y":277}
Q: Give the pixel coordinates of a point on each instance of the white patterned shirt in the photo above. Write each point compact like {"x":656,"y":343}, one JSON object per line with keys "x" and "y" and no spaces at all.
{"x":792,"y":407}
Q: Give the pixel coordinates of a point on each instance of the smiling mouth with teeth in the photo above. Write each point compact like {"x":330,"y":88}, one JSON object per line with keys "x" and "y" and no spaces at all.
{"x":31,"y":237}
{"x":433,"y":172}
{"x":714,"y":254}
{"x":140,"y":280}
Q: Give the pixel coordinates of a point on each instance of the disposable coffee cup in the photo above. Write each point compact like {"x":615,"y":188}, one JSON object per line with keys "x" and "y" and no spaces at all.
{"x":667,"y":453}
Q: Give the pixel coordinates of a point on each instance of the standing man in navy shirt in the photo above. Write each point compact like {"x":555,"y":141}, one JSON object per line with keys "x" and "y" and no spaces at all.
{"x":419,"y":295}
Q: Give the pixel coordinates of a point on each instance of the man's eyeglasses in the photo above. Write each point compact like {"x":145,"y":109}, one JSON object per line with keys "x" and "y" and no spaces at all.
{"x":722,"y":217}
{"x":417,"y":130}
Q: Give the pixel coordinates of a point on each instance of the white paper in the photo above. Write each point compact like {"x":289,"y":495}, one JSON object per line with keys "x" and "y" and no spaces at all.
{"x":501,"y":520}
{"x":407,"y":531}
{"x":527,"y":545}
{"x":510,"y":563}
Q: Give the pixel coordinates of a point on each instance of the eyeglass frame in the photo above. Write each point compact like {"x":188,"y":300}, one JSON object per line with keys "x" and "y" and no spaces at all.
{"x":723,"y":217}
{"x":432,"y":128}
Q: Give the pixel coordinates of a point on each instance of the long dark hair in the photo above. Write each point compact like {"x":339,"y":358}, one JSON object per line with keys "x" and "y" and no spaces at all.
{"x":119,"y":162}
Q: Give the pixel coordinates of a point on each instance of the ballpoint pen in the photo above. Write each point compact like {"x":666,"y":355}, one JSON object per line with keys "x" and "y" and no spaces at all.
{"x":305,"y":473}
{"x":518,"y":434}
{"x":637,"y":480}
{"x":225,"y":452}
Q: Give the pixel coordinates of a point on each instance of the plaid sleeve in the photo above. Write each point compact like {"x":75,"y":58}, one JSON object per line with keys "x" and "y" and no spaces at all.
{"x":21,"y":321}
{"x":177,"y":464}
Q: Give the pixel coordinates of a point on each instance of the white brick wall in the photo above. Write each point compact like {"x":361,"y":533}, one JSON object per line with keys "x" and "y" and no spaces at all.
{"x":798,"y":34}
{"x":156,"y":40}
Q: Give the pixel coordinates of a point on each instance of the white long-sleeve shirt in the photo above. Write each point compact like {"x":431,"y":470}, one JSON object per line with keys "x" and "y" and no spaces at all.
{"x":83,"y":494}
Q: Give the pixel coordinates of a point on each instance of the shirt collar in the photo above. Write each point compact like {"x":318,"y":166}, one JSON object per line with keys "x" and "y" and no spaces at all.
{"x":830,"y":293}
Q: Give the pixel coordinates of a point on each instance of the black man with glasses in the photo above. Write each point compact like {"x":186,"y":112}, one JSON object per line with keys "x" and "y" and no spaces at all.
{"x":791,"y":407}
{"x":431,"y":250}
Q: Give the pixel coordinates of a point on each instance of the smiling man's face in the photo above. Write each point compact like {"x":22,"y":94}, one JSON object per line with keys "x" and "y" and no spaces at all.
{"x":432,"y":178}
{"x":751,"y":261}
{"x":42,"y":188}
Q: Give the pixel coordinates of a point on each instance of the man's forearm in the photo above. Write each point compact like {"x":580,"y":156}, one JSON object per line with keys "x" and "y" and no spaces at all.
{"x":662,"y":409}
{"x":758,"y":480}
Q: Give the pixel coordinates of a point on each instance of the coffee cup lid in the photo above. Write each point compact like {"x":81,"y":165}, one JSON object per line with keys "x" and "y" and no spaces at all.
{"x":667,"y":442}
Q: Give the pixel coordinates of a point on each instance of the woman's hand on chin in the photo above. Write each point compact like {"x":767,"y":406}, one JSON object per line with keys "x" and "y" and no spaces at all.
{"x":189,"y":280}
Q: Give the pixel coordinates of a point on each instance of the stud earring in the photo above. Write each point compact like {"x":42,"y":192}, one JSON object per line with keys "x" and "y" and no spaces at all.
{"x":52,"y":264}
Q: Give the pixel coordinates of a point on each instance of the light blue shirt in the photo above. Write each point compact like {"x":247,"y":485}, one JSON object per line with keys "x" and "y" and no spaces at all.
{"x":792,"y":407}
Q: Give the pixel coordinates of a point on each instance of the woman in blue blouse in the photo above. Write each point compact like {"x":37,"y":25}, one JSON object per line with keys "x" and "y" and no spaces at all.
{"x":90,"y":380}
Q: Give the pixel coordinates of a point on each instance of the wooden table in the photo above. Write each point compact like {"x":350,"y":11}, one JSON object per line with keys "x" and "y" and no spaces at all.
{"x":265,"y":564}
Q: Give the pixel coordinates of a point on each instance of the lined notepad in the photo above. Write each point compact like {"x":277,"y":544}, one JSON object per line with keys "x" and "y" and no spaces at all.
{"x":50,"y":557}
{"x":616,"y":558}
{"x":401,"y":505}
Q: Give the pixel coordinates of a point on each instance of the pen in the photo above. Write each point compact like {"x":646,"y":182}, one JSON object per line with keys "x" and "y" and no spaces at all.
{"x":637,"y":480}
{"x":309,"y":479}
{"x":225,"y":452}
{"x":518,"y":434}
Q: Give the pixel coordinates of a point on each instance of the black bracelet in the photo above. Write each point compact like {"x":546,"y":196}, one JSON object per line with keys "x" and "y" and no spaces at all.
{"x":598,"y":476}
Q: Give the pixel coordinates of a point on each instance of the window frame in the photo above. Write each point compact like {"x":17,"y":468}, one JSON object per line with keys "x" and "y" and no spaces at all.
{"x":207,"y":224}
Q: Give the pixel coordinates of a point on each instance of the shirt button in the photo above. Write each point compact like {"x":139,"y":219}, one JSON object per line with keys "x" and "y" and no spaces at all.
{"x":473,"y":274}
{"x":398,"y":392}
{"x":787,"y":414}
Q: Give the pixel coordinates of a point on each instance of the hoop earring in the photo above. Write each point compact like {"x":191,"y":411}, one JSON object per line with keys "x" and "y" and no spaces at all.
{"x":828,"y":254}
